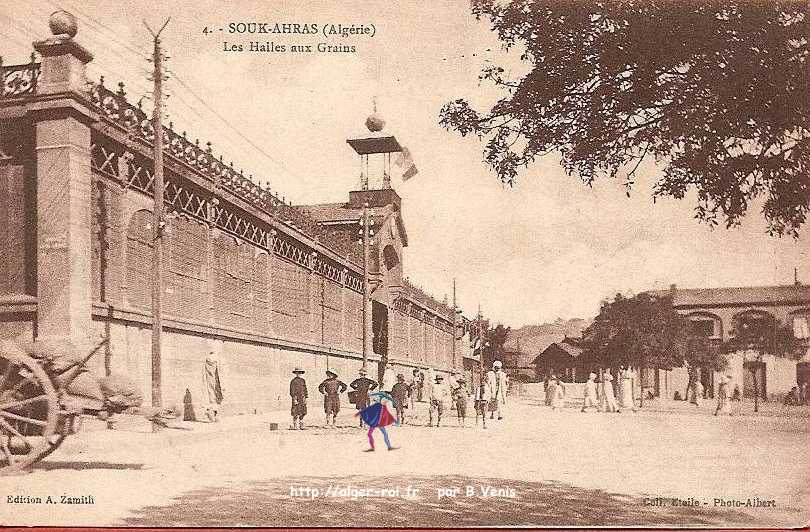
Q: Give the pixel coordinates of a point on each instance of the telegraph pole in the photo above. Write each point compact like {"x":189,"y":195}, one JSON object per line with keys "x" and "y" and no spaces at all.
{"x":366,"y":294}
{"x":157,"y":222}
{"x":455,"y":329}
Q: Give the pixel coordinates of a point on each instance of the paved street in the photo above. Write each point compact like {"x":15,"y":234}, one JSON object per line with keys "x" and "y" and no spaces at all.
{"x":546,"y":468}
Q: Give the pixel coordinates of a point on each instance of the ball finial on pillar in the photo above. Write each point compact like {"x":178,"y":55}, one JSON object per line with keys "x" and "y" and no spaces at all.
{"x":375,"y":123}
{"x":63,"y":23}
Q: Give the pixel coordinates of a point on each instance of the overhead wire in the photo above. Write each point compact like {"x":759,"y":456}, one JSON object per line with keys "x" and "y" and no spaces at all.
{"x":187,"y":87}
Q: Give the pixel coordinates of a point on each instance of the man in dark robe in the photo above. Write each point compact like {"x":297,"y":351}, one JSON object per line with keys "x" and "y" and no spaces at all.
{"x":400,"y":392}
{"x":298,"y":395}
{"x":362,"y":385}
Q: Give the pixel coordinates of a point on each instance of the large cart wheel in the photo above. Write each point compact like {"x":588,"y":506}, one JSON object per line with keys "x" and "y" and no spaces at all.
{"x":29,"y":412}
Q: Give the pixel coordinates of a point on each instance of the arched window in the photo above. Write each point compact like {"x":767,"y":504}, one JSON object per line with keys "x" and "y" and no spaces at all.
{"x":749,"y":318}
{"x":705,"y":325}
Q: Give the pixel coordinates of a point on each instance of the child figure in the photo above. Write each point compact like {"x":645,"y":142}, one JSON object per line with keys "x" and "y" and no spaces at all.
{"x":460,"y":397}
{"x":481,"y":402}
{"x":400,"y":392}
{"x":377,"y":416}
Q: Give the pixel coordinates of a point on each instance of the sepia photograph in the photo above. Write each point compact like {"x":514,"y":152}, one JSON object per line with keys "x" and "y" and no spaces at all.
{"x":430,"y":264}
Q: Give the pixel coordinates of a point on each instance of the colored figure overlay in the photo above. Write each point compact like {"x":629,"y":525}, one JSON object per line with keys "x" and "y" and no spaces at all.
{"x":377,"y":415}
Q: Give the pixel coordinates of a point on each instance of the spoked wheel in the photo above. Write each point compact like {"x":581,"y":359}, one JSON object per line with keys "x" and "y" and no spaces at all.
{"x":28,"y":413}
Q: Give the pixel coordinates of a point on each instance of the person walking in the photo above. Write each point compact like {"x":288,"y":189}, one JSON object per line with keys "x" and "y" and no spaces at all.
{"x":608,"y":403}
{"x":723,"y":406}
{"x":362,"y":386}
{"x":626,"y":400}
{"x":696,"y":394}
{"x":497,"y":382}
{"x":460,"y":395}
{"x":400,"y":393}
{"x":298,"y":397}
{"x":439,"y":399}
{"x":556,"y":390}
{"x":590,"y":399}
{"x":377,"y":416}
{"x":331,"y":388}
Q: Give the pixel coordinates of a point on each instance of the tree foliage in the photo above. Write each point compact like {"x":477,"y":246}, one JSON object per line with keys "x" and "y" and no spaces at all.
{"x":764,"y":334}
{"x":714,"y":91}
{"x":640,"y":331}
{"x":494,"y":340}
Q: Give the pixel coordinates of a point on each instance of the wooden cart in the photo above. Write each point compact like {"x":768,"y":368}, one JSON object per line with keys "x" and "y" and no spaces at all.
{"x":40,"y":407}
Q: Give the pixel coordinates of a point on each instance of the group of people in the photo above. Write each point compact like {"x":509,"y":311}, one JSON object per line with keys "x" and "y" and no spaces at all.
{"x":452,"y":393}
{"x":598,"y":395}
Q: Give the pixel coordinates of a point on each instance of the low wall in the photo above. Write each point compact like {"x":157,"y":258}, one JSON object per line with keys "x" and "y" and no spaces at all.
{"x":255,"y":370}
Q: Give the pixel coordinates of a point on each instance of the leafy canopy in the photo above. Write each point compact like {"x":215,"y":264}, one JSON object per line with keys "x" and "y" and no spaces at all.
{"x":763,"y":333}
{"x":714,"y":91}
{"x":642,"y":331}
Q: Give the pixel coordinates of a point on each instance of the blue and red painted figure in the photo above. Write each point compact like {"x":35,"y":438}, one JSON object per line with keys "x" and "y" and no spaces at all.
{"x":377,"y":416}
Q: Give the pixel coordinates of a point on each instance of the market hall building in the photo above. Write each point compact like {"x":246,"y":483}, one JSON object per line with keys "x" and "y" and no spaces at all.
{"x":265,"y":285}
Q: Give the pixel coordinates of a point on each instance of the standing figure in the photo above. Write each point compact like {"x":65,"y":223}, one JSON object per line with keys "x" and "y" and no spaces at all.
{"x":481,"y":402}
{"x":590,"y":400}
{"x":497,"y":382}
{"x":415,"y":394}
{"x":362,"y":385}
{"x":427,"y":383}
{"x":803,"y":399}
{"x":557,"y":391}
{"x":549,"y":379}
{"x":400,"y":393}
{"x":626,"y":399}
{"x":722,"y":397}
{"x":331,"y":388}
{"x":696,"y":394}
{"x":460,"y":396}
{"x":608,"y":397}
{"x":388,"y":379}
{"x":298,"y":396}
{"x":212,"y":380}
{"x":439,"y":398}
{"x":377,"y":416}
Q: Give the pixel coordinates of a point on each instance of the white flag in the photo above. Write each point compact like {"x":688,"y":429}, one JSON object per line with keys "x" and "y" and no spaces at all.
{"x":404,"y":160}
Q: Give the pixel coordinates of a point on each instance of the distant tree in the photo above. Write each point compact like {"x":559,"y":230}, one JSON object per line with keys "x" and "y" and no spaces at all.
{"x":702,"y":354}
{"x":642,"y":332}
{"x":715,"y":92}
{"x":494,"y":346}
{"x":765,"y":335}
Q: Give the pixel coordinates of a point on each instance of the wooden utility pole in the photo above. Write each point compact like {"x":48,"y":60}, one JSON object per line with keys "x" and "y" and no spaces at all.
{"x":157,"y":222}
{"x":366,"y":290}
{"x":455,"y":330}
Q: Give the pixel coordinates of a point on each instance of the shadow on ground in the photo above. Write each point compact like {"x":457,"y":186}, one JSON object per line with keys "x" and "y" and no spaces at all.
{"x":82,"y":466}
{"x":270,"y":503}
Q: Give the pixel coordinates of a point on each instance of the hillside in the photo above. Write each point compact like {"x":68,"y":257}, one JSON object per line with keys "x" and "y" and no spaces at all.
{"x":531,"y":340}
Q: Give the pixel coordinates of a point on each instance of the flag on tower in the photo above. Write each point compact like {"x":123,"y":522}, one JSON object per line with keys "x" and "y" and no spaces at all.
{"x":404,"y":160}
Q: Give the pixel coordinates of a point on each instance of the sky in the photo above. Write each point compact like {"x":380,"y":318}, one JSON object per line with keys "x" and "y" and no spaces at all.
{"x":548,"y":247}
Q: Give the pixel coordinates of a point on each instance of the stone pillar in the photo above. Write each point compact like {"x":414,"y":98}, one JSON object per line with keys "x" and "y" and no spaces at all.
{"x":343,"y":342}
{"x":271,"y":257}
{"x":64,"y":204}
{"x":313,"y":336}
{"x":124,"y":161}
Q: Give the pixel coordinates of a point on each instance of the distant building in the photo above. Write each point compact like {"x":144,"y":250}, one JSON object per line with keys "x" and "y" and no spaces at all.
{"x":563,"y":360}
{"x":714,"y":312}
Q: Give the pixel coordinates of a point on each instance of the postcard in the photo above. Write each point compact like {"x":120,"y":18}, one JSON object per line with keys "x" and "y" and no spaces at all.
{"x":519,"y":263}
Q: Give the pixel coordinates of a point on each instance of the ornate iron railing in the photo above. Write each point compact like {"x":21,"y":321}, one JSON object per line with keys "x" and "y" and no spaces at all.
{"x":19,"y":80}
{"x":115,"y":107}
